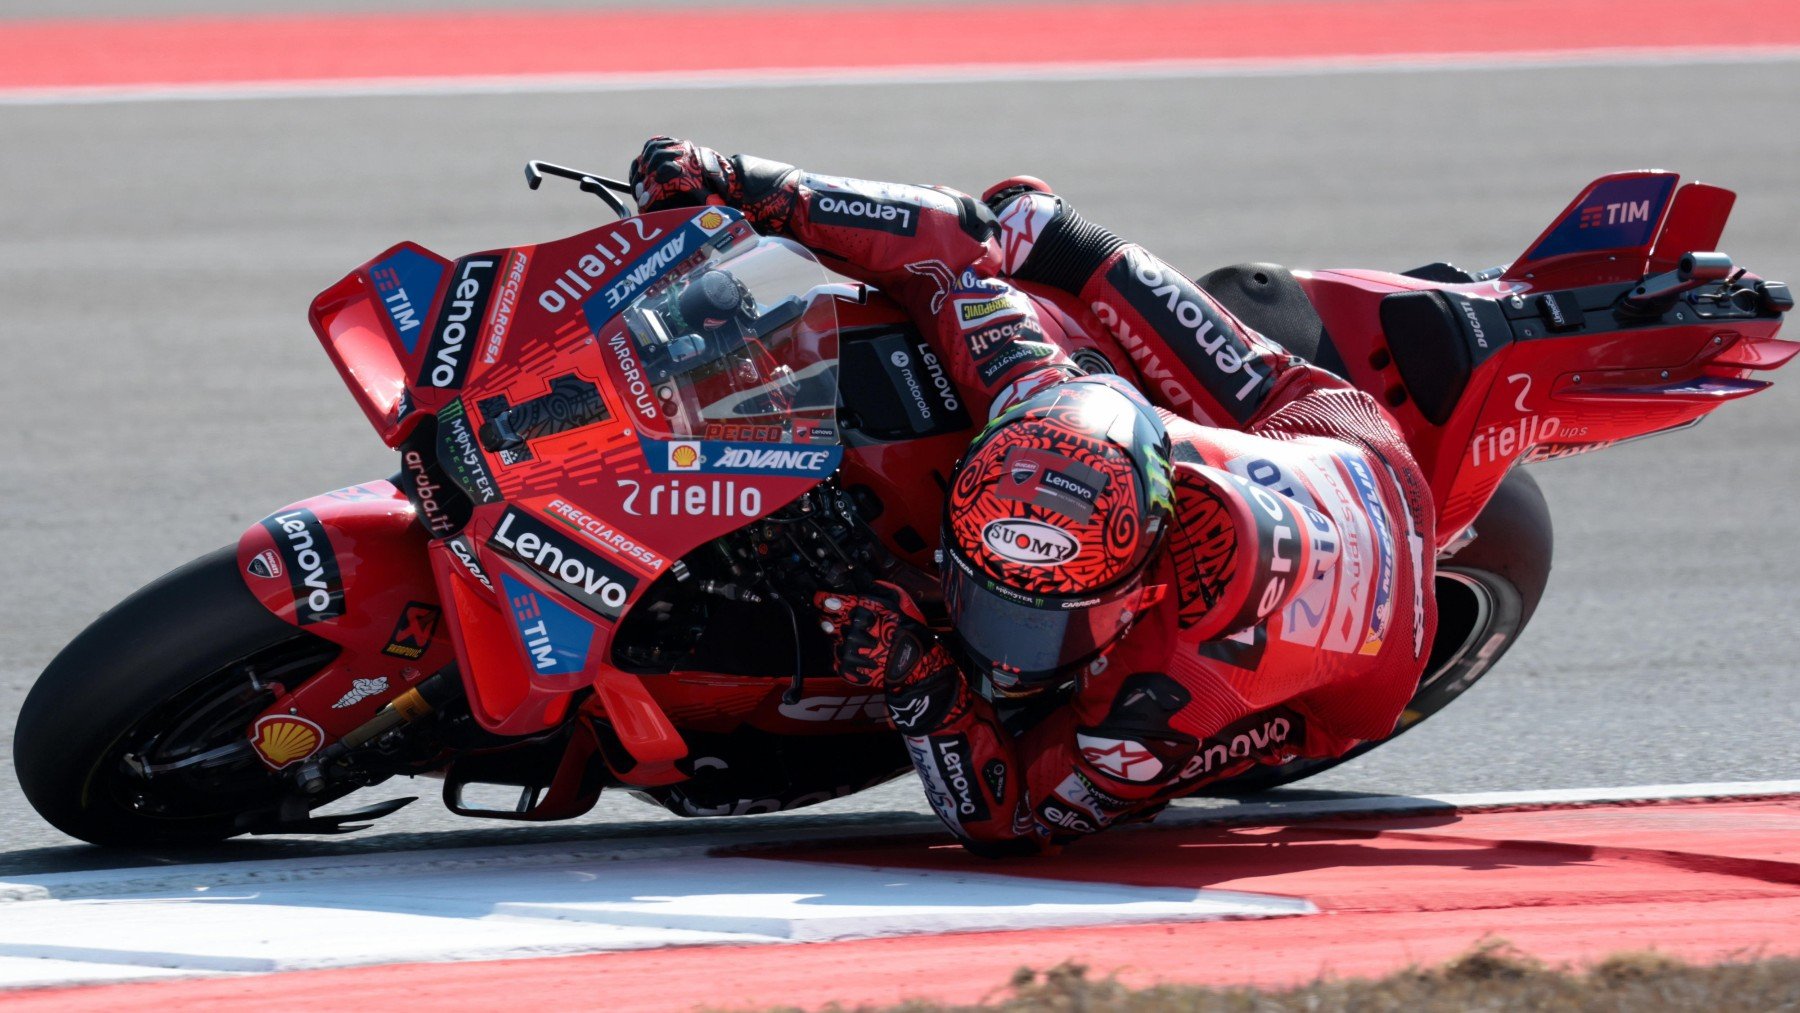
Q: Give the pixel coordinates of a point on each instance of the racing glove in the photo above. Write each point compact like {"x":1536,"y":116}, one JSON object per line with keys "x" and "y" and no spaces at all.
{"x":882,"y":642}
{"x":671,"y":173}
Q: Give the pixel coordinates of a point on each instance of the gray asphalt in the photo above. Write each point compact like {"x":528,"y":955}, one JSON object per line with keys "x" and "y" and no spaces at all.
{"x":163,"y":391}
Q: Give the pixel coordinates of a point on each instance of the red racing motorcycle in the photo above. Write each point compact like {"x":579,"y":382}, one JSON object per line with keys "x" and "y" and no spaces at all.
{"x":629,"y":458}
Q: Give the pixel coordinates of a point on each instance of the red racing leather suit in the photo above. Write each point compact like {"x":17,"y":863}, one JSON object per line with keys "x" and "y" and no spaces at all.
{"x":1317,"y":663}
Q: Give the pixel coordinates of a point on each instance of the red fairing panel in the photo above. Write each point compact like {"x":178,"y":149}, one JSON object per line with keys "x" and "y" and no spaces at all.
{"x":348,"y":567}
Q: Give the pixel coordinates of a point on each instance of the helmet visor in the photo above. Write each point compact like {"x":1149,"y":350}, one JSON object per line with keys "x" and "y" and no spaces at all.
{"x":1033,"y":638}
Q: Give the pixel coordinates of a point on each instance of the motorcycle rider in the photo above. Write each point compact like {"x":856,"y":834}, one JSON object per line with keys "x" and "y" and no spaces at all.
{"x":1144,"y":600}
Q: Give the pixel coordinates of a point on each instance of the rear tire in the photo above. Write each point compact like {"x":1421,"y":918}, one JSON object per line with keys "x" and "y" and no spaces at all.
{"x":1486,"y":593}
{"x":160,"y":679}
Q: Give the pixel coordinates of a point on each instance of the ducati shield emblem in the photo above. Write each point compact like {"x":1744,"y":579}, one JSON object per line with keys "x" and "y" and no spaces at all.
{"x":1030,"y":543}
{"x":266,"y":563}
{"x":281,"y":739}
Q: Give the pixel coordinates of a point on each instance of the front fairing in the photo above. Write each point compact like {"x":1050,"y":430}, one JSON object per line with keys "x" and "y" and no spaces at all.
{"x":574,"y":432}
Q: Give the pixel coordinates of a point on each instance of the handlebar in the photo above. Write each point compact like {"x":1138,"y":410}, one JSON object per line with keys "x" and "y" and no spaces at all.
{"x":602,"y":187}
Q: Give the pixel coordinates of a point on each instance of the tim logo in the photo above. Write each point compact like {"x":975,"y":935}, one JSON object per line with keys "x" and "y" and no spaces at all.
{"x":1621,"y":213}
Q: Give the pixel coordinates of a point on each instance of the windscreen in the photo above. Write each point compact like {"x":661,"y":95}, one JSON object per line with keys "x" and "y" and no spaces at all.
{"x":740,"y":345}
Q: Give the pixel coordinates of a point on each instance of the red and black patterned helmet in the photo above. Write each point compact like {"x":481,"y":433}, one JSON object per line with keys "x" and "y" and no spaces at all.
{"x":1051,"y":524}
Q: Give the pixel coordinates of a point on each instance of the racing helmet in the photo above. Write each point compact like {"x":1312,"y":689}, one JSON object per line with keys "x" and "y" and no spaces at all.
{"x":1053,"y":520}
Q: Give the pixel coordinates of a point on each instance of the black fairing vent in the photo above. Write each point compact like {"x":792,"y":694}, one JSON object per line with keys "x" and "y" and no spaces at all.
{"x":1430,"y":348}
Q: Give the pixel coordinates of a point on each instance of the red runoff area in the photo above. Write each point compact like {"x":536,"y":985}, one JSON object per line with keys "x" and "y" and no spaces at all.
{"x":268,"y":50}
{"x":1700,"y":880}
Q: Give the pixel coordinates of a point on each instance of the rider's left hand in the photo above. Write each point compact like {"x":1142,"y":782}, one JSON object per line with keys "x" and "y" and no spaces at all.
{"x":880,"y":637}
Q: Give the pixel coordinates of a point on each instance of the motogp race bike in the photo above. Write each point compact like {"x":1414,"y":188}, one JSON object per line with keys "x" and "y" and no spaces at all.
{"x":629,"y":458}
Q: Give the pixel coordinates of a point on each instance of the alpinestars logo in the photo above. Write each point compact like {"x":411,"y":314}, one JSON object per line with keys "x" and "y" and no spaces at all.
{"x":1030,"y":543}
{"x":447,"y":354}
{"x":1125,"y":759}
{"x":582,"y":575}
{"x":311,"y":565}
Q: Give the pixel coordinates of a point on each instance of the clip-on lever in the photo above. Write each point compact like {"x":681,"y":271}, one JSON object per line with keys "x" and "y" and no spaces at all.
{"x":1655,"y":294}
{"x":600,"y":186}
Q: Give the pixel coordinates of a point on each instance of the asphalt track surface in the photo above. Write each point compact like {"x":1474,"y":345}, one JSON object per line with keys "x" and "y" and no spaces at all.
{"x":163,"y":392}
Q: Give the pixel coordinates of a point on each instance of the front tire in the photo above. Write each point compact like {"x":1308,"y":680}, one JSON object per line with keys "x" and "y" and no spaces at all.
{"x":1486,"y":593}
{"x":134,"y":736}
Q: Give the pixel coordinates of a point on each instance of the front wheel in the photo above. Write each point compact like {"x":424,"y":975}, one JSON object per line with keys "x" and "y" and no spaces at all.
{"x":1486,"y":593}
{"x":135,"y":734}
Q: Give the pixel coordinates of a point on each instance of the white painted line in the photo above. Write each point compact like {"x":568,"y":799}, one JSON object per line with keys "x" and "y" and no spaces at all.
{"x":402,"y":914}
{"x":1216,"y":811}
{"x":1148,"y":70}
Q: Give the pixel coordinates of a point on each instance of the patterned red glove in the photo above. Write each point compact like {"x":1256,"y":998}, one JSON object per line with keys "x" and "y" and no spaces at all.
{"x":881,"y":637}
{"x":670,"y":173}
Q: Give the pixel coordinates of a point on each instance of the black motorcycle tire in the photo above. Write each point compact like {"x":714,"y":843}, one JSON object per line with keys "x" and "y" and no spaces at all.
{"x":172,"y":662}
{"x":1486,"y":594}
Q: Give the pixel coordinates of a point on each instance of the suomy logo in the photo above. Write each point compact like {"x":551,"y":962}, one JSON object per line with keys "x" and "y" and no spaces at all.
{"x":1030,"y":543}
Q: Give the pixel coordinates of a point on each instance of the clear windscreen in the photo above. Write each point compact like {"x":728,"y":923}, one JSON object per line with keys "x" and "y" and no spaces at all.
{"x":741,"y":345}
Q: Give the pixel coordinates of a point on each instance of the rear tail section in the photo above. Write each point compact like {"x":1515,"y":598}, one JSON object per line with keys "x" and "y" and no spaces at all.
{"x":1608,"y":232}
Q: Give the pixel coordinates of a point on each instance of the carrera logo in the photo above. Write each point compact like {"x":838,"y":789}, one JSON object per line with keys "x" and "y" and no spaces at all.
{"x":1030,"y":543}
{"x":466,"y":557}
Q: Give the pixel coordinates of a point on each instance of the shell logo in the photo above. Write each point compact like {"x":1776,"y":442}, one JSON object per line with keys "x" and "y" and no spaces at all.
{"x":711,"y":221}
{"x":281,"y":739}
{"x":684,"y":456}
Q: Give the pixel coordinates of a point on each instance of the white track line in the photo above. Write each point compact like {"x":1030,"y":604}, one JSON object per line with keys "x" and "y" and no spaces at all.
{"x":1215,"y":811}
{"x":1154,"y":70}
{"x":558,"y":897}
